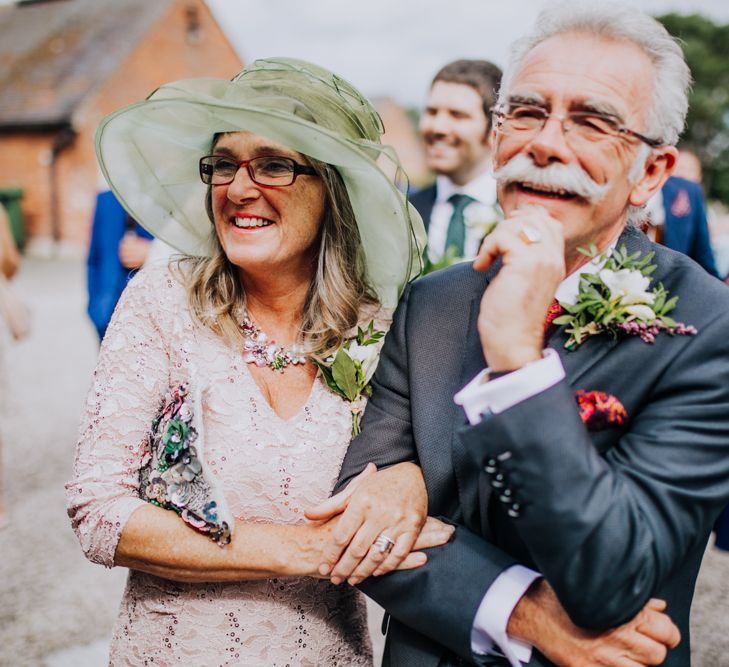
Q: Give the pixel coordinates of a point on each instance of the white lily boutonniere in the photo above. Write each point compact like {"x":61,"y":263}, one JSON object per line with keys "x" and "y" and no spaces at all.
{"x":349,"y":371}
{"x":618,"y":299}
{"x":482,"y":218}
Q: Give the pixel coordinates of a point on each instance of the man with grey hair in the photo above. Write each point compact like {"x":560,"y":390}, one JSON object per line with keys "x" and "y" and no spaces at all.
{"x":588,"y":457}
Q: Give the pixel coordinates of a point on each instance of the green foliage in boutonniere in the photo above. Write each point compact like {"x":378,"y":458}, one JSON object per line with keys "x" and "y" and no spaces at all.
{"x":349,"y":371}
{"x":617,"y":300}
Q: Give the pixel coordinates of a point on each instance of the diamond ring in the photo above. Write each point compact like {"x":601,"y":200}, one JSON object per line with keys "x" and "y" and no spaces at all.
{"x":384,"y":543}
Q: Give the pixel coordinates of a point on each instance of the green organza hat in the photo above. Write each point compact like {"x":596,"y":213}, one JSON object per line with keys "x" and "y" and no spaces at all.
{"x":149,"y":153}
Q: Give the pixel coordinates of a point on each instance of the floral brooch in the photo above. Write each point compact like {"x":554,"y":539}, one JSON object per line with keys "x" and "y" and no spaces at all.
{"x":617,"y":300}
{"x":172,"y":477}
{"x":348,"y":372}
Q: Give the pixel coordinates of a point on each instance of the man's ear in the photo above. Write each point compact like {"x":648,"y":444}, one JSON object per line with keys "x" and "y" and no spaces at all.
{"x":658,"y":167}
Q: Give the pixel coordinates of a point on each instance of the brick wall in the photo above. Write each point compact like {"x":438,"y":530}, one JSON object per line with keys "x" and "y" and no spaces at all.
{"x":186,"y":42}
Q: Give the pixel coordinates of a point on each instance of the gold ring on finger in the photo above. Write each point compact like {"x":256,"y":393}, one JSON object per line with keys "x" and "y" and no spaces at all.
{"x":530,"y":235}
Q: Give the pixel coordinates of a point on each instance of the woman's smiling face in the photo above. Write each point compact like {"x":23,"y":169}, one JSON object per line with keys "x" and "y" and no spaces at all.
{"x":262,"y":227}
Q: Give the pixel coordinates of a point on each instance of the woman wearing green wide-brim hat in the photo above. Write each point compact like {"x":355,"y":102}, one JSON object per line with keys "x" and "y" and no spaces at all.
{"x":230,"y":382}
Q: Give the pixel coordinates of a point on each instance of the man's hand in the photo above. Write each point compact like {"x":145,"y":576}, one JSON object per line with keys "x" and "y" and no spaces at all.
{"x":540,"y":620}
{"x":513,"y":307}
{"x":391,"y":501}
{"x":133,"y":250}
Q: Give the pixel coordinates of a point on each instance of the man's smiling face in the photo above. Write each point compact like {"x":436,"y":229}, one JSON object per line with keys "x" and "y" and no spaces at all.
{"x":577,"y":72}
{"x":455,"y":131}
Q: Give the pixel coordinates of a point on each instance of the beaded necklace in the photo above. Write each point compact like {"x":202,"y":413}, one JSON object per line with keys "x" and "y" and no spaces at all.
{"x":260,"y":351}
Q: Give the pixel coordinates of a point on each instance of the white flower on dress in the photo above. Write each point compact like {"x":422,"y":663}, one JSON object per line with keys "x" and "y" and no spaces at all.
{"x":630,"y":285}
{"x":367,"y":355}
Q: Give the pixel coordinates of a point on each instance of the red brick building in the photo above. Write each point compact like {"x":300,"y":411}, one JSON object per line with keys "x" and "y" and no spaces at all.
{"x":64,"y":64}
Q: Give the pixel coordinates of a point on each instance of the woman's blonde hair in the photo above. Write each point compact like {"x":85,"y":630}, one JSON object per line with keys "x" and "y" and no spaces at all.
{"x":335,"y":297}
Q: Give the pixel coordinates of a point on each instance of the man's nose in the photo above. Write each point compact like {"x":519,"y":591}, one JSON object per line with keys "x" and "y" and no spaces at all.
{"x":550,"y":144}
{"x":436,"y":123}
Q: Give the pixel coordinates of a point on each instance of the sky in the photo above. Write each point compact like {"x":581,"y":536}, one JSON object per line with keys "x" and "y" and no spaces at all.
{"x":392,"y":48}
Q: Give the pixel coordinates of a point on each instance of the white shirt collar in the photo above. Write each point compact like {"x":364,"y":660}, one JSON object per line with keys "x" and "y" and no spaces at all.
{"x":482,"y":188}
{"x":568,"y":288}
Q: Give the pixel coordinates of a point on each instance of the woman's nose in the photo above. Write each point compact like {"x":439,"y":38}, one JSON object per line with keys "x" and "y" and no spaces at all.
{"x":242,"y":187}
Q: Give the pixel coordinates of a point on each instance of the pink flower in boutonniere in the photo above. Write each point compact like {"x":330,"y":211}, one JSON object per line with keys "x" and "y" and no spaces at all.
{"x":618,"y":300}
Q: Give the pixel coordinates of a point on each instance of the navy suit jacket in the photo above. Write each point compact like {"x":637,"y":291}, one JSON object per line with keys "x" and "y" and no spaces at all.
{"x":106,"y":277}
{"x":423,"y":201}
{"x":686,"y":228}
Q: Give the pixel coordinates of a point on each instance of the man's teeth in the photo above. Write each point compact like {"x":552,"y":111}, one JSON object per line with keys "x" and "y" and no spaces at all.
{"x":548,"y":189}
{"x":251,"y":222}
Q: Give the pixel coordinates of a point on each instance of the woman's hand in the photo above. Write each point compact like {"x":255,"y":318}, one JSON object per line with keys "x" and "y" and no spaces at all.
{"x":392,"y":502}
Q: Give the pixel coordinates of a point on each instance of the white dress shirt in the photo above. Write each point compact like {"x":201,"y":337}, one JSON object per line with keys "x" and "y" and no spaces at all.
{"x":482,"y":189}
{"x":481,"y":396}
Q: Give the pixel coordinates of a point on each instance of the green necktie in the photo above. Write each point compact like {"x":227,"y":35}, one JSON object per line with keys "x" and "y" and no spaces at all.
{"x":456,"y":236}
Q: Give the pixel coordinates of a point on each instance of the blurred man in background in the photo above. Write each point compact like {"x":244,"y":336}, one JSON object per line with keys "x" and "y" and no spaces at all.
{"x":456,"y":126}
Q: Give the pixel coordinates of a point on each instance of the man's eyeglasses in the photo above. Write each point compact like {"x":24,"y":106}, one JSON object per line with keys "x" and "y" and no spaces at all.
{"x":588,"y":126}
{"x":268,"y":171}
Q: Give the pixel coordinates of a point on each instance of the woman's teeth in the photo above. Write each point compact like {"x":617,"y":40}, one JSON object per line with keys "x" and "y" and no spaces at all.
{"x":251,"y":222}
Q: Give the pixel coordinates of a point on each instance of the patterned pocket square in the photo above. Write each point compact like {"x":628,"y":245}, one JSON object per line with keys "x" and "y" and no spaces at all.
{"x":599,"y":410}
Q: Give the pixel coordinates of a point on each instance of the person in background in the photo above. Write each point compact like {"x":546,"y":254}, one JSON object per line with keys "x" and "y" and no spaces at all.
{"x":9,"y":264}
{"x":459,"y":207}
{"x":677,"y":213}
{"x":9,"y":255}
{"x":688,"y":167}
{"x":118,"y":247}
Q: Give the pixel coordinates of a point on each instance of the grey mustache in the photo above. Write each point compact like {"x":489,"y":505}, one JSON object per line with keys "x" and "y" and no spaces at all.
{"x":571,"y":178}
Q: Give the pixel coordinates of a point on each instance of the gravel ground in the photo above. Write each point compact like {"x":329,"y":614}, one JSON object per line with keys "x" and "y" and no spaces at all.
{"x":57,"y":609}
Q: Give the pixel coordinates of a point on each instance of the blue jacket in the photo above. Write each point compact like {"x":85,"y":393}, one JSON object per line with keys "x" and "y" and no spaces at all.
{"x":686,"y":228}
{"x":106,"y":277}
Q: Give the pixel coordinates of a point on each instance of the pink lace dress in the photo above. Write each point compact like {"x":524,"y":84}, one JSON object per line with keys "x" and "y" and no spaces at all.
{"x":267,"y":468}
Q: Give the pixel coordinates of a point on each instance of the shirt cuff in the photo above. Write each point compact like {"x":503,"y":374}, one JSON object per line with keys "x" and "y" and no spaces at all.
{"x":482,"y":395}
{"x":492,"y":617}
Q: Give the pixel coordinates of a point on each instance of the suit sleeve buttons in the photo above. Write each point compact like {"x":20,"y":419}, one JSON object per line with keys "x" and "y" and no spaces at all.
{"x":514,"y":511}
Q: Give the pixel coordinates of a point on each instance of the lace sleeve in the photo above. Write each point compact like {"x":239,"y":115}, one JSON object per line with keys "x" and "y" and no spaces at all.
{"x":131,"y":377}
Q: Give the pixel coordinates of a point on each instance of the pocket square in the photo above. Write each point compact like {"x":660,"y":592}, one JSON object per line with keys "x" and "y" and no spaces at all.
{"x":600,"y":410}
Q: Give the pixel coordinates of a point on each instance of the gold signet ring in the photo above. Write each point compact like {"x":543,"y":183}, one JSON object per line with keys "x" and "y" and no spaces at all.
{"x":530,"y":235}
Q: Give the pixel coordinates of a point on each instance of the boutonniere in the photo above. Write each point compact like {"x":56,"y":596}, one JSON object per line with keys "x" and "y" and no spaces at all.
{"x":348,"y":372}
{"x":618,"y":300}
{"x":478,"y":217}
{"x":482,"y":218}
